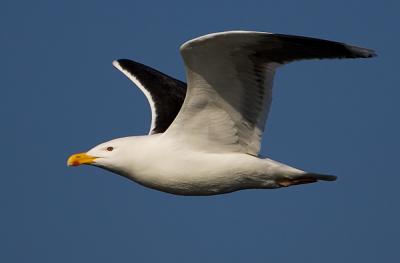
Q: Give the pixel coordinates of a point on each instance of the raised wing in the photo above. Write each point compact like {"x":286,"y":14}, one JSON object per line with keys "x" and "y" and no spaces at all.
{"x":164,"y":93}
{"x":230,"y":77}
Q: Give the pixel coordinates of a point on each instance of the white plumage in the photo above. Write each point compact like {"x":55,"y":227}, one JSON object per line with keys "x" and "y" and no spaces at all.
{"x":212,"y":146}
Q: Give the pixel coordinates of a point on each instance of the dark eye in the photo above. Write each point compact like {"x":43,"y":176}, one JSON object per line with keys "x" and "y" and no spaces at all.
{"x":109,"y":148}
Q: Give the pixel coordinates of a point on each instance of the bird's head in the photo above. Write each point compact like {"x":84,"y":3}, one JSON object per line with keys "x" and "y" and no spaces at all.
{"x":109,"y":155}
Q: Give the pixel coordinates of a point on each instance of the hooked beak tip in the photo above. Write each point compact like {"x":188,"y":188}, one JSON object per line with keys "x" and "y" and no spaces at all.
{"x":80,"y":158}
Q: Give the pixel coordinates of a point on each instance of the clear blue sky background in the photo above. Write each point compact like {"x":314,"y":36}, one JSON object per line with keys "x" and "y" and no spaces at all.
{"x":61,"y":95}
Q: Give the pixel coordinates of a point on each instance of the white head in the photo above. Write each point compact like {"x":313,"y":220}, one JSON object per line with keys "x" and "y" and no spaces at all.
{"x":113,"y":155}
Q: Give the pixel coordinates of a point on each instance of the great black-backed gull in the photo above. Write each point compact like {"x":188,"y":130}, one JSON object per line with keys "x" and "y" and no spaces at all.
{"x":205,"y":138}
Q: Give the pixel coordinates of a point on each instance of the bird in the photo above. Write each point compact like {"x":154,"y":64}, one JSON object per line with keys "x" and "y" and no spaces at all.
{"x":205,"y":135}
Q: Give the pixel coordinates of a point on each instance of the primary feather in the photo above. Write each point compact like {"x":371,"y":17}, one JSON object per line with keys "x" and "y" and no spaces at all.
{"x":212,"y":145}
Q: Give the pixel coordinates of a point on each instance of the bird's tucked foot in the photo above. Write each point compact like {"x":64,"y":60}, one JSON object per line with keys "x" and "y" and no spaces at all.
{"x":305,"y":179}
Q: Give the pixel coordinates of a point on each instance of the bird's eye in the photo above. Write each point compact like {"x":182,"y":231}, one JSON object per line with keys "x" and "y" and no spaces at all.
{"x":110,"y":148}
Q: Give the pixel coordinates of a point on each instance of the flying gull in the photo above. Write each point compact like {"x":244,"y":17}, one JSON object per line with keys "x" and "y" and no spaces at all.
{"x":205,"y":136}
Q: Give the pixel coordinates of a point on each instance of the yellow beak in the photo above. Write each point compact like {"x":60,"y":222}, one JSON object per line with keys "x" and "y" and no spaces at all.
{"x":80,"y":158}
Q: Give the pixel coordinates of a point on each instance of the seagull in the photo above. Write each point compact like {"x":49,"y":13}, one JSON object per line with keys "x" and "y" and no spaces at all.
{"x":205,"y":136}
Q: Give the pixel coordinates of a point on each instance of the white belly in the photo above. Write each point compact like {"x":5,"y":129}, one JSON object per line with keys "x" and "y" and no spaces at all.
{"x":188,"y":172}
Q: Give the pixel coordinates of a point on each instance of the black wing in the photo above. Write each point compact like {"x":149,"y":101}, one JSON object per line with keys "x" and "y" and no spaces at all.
{"x":164,"y":93}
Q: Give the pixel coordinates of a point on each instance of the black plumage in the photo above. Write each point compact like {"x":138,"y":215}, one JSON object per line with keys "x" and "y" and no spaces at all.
{"x":167,"y":93}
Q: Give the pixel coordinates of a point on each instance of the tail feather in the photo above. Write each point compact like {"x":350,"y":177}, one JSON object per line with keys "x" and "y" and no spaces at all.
{"x":306,"y":178}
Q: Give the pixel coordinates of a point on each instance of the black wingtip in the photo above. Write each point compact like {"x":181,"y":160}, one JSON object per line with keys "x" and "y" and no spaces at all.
{"x":372,"y":53}
{"x":123,"y":62}
{"x":359,"y":52}
{"x":164,"y":93}
{"x":329,"y":178}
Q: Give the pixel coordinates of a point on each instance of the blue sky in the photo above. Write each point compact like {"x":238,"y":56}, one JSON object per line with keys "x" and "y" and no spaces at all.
{"x":61,"y":95}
